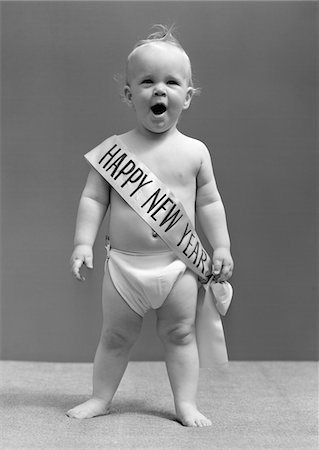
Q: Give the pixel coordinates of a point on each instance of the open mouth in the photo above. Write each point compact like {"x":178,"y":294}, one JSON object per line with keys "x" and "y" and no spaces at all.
{"x":158,"y":109}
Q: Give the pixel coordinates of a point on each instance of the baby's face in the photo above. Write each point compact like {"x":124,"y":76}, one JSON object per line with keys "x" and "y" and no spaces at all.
{"x":158,"y":88}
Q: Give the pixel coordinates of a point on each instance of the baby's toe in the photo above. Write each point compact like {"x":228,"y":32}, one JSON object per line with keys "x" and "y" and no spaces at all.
{"x":72,"y":413}
{"x":206,"y":422}
{"x":79,"y":413}
{"x":202,"y":422}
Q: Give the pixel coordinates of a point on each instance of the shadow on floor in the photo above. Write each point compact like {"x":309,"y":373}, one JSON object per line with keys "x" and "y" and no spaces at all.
{"x":63,"y":402}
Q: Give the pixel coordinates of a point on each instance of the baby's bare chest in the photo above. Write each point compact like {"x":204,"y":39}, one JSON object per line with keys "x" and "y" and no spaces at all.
{"x":175,"y":170}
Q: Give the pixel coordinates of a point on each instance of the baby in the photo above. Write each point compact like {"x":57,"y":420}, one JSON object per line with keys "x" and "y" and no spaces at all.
{"x":141,"y":271}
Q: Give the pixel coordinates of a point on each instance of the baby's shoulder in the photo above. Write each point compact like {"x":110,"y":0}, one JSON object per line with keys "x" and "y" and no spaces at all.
{"x":193,"y":142}
{"x":194,"y":146}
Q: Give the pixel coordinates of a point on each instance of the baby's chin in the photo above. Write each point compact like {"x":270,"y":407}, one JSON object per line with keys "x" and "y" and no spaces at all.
{"x":157,"y":130}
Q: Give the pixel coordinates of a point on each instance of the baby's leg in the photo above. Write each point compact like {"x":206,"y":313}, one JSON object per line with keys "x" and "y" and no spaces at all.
{"x":176,"y":328}
{"x":121,"y":327}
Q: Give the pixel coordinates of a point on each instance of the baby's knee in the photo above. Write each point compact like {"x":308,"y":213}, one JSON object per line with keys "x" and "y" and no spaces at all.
{"x":180,"y":334}
{"x":116,"y":339}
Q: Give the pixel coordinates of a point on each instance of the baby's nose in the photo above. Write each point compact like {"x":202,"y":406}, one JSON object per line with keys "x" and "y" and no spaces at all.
{"x":159,"y":90}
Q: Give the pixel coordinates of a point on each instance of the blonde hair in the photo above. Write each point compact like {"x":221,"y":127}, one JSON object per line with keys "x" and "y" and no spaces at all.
{"x":164,"y":34}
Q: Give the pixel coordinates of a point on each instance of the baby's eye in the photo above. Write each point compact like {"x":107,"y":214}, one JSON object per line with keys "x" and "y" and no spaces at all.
{"x":173,"y":82}
{"x":147,"y":81}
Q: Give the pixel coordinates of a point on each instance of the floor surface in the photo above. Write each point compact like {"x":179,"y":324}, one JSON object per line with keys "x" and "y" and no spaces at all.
{"x":253,"y":405}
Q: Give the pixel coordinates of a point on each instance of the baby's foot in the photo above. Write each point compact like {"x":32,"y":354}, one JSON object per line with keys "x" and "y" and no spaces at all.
{"x":189,"y":416}
{"x":92,"y":408}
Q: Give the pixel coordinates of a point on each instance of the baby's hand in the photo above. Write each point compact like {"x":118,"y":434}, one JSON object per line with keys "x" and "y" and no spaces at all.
{"x":81,"y":254}
{"x":222,"y":264}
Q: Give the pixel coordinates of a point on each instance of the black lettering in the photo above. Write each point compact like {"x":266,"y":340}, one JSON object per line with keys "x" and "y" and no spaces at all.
{"x":141,"y":184}
{"x":172,"y":217}
{"x":162,"y":206}
{"x":186,"y":232}
{"x":188,"y":244}
{"x":155,"y":202}
{"x":131,"y":164}
{"x":132,"y":179}
{"x":202,"y":260}
{"x":116,"y":164}
{"x":109,"y":152}
{"x":195,"y":251}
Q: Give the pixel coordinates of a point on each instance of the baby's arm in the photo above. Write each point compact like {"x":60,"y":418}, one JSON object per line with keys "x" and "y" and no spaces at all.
{"x":92,"y":208}
{"x":211,"y":214}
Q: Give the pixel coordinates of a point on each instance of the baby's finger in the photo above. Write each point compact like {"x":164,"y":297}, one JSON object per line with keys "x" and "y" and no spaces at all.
{"x":88,"y":260}
{"x":76,"y":265}
{"x":226,"y":271}
{"x":217,"y":266}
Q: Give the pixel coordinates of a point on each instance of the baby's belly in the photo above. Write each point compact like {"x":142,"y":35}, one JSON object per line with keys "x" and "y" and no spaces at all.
{"x":128,"y":232}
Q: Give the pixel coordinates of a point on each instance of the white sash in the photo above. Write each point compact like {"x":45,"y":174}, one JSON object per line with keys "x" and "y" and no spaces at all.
{"x":165,"y":214}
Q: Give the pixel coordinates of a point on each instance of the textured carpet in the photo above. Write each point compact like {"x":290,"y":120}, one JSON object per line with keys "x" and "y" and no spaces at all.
{"x":253,"y":405}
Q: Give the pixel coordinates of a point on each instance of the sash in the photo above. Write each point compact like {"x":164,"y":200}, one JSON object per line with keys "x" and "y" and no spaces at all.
{"x":165,"y":214}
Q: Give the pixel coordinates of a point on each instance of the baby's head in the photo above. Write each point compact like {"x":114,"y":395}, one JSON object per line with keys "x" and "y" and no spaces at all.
{"x":163,"y":37}
{"x":159,"y":82}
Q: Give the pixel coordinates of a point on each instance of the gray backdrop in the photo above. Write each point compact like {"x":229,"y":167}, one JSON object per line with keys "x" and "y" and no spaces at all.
{"x":256,"y":64}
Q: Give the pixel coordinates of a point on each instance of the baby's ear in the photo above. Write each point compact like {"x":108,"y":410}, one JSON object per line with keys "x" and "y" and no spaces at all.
{"x":127,"y":94}
{"x":188,"y":98}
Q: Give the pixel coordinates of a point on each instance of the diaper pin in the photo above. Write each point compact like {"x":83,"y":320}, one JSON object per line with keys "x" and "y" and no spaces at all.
{"x":107,"y":247}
